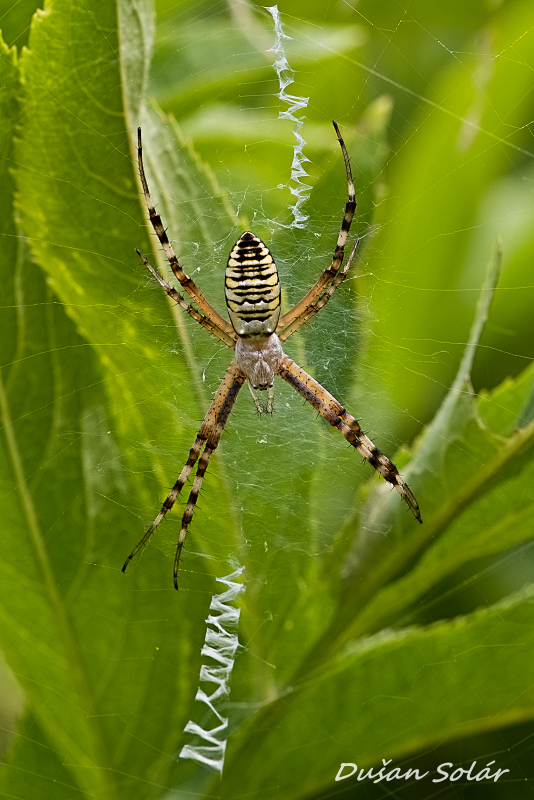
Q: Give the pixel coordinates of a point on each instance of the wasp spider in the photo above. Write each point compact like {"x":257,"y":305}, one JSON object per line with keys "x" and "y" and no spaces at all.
{"x":256,"y":334}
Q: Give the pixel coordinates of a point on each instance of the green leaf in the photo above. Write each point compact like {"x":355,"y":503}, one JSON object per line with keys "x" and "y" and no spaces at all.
{"x":104,"y":385}
{"x":389,"y":694}
{"x":95,"y":652}
{"x":483,"y":447}
{"x":433,"y":242}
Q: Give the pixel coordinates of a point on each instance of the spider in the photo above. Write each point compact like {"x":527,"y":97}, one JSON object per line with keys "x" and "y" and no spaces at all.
{"x":256,"y":332}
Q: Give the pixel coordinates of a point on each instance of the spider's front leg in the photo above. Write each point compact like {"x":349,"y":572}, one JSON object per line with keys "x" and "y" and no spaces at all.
{"x":339,"y":418}
{"x":209,"y":435}
{"x":212,"y":427}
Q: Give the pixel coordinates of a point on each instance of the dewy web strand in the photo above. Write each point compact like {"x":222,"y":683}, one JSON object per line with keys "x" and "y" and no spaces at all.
{"x":301,"y":191}
{"x":220,"y":645}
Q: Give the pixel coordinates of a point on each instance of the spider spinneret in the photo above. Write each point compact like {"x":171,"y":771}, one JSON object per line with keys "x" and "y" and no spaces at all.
{"x":256,"y":333}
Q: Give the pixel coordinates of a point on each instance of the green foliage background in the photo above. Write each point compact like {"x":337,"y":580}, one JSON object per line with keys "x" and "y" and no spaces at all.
{"x":365,"y":637}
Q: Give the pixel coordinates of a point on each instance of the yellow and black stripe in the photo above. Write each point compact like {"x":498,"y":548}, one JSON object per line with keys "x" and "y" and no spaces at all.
{"x":252,"y":288}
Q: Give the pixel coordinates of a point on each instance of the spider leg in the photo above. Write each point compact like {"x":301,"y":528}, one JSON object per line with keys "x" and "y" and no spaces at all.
{"x":339,"y":418}
{"x":316,"y":306}
{"x":209,"y":434}
{"x":185,"y":281}
{"x":171,"y":498}
{"x":220,"y":411}
{"x":329,"y":274}
{"x":202,"y":319}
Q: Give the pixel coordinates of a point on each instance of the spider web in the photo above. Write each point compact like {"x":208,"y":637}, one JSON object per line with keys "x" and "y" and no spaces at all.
{"x":438,"y":176}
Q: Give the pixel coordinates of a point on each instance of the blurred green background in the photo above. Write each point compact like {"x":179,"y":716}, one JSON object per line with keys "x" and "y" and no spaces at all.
{"x":436,"y":105}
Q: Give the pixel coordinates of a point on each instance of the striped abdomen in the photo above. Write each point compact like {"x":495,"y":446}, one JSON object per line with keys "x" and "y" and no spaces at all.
{"x":252,"y":288}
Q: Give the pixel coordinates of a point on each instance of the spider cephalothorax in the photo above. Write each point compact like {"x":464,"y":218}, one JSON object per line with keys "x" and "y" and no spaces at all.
{"x":256,"y":333}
